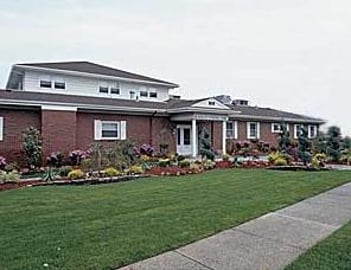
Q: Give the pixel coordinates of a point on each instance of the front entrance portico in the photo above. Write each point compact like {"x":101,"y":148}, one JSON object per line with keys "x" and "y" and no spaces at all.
{"x":187,"y":131}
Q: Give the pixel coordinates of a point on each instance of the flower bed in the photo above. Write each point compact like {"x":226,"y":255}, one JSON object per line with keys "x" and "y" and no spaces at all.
{"x":19,"y":184}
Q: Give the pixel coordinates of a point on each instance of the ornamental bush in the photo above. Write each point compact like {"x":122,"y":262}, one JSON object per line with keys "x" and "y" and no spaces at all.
{"x":334,"y":143}
{"x":32,"y":147}
{"x":111,"y":172}
{"x":76,"y":174}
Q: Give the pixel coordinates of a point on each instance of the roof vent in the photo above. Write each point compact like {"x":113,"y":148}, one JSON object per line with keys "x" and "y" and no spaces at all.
{"x":240,"y":102}
{"x":225,"y":99}
{"x":174,"y":97}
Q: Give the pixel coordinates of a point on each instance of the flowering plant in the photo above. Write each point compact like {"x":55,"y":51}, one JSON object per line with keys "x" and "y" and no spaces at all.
{"x":146,"y":149}
{"x":55,"y":159}
{"x":3,"y":163}
{"x":77,"y":156}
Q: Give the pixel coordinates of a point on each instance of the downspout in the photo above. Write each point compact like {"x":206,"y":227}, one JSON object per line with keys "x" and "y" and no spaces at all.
{"x":151,"y":127}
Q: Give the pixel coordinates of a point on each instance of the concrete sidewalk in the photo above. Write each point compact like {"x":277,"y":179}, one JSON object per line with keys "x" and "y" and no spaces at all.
{"x":268,"y":242}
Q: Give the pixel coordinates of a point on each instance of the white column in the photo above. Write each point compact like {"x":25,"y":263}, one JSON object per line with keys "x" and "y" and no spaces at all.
{"x":224,"y":137}
{"x":194,"y":138}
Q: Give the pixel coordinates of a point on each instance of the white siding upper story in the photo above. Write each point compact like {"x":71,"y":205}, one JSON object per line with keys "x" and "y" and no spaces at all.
{"x":80,"y":85}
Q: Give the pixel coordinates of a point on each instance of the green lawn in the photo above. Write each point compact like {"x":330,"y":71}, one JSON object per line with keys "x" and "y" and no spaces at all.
{"x":105,"y":226}
{"x":334,"y":253}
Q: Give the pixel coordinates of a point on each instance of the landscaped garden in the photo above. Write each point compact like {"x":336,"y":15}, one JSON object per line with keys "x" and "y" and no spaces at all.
{"x":334,"y":253}
{"x":106,"y":226}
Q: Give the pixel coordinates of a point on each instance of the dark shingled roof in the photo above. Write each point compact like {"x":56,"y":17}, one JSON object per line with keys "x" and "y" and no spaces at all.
{"x":88,"y":67}
{"x":73,"y":99}
{"x":271,"y":113}
{"x":244,"y":111}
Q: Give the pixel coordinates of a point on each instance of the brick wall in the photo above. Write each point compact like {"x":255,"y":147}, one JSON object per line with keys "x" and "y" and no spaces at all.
{"x":15,"y":121}
{"x":58,"y":130}
{"x":138,"y":129}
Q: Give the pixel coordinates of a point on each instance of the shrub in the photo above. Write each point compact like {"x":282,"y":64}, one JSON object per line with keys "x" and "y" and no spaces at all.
{"x":304,"y":148}
{"x":31,"y":144}
{"x":205,"y":145}
{"x":11,"y":167}
{"x":184,"y":163}
{"x":9,"y":177}
{"x":318,"y":160}
{"x":180,"y":157}
{"x":334,"y":143}
{"x":209,"y":164}
{"x":64,"y":171}
{"x":136,"y":169}
{"x":144,"y":158}
{"x":280,"y":161}
{"x":2,"y":163}
{"x":346,"y":158}
{"x":164,"y":162}
{"x":76,"y":174}
{"x":225,"y":157}
{"x":146,"y":149}
{"x":55,"y":159}
{"x":122,"y":155}
{"x":76,"y":157}
{"x":195,"y":168}
{"x":111,"y":172}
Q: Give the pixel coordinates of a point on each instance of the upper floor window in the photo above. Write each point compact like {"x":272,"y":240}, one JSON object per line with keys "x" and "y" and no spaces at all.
{"x":153,"y":94}
{"x":45,"y":84}
{"x":103,"y":89}
{"x":143,"y":93}
{"x":231,"y":130}
{"x":115,"y":90}
{"x":253,"y":130}
{"x":60,"y":85}
{"x":132,"y":94}
{"x":211,"y":103}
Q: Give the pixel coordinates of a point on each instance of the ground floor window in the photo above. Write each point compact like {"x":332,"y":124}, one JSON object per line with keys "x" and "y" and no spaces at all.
{"x":231,"y":130}
{"x":110,"y":130}
{"x":253,"y":130}
{"x":312,"y":131}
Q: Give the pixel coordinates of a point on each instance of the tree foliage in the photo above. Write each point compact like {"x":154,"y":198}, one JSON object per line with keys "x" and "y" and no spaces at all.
{"x":284,"y":140}
{"x":304,"y":148}
{"x":334,"y":143}
{"x":32,"y":147}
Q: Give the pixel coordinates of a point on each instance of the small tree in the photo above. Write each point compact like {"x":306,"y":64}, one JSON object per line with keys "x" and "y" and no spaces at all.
{"x":320,"y":143}
{"x":205,"y":144}
{"x":31,"y":143}
{"x":346,"y":144}
{"x":334,"y":143}
{"x":284,"y":138}
{"x":304,"y":148}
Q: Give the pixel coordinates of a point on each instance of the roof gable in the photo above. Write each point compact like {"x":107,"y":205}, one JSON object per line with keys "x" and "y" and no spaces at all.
{"x":92,"y":68}
{"x":210,"y":103}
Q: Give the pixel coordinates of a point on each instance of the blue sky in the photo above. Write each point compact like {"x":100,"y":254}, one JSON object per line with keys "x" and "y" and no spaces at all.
{"x":292,"y":54}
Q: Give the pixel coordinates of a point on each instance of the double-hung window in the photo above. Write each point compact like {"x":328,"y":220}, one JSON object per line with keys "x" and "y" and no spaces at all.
{"x":312,"y":131}
{"x":231,"y":130}
{"x":110,"y":130}
{"x":45,"y":82}
{"x":253,"y":130}
{"x":277,"y":127}
{"x":297,"y":130}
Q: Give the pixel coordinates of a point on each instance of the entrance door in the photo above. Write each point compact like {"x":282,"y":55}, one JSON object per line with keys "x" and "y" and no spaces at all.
{"x":184,"y":140}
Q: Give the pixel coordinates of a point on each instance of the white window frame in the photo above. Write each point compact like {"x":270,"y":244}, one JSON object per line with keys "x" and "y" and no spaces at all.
{"x":315,"y":127}
{"x":153,"y":92}
{"x":258,"y":130}
{"x":98,"y":130}
{"x":1,"y":128}
{"x":145,"y":92}
{"x":279,"y":124}
{"x":45,"y":78}
{"x":235,"y":129}
{"x":296,"y":136}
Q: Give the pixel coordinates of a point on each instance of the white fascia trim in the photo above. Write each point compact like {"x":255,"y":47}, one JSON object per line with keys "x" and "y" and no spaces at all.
{"x":79,"y":106}
{"x":92,"y":75}
{"x":294,"y":120}
{"x":203,"y":110}
{"x":58,"y":108}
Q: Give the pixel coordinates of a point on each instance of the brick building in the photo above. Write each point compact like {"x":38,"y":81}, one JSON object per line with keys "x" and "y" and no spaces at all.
{"x":74,"y":104}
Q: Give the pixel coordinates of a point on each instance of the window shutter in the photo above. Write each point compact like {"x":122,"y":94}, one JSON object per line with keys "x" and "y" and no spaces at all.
{"x":123,"y":130}
{"x":1,"y":128}
{"x":236,"y":130}
{"x":258,"y":130}
{"x":97,"y":130}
